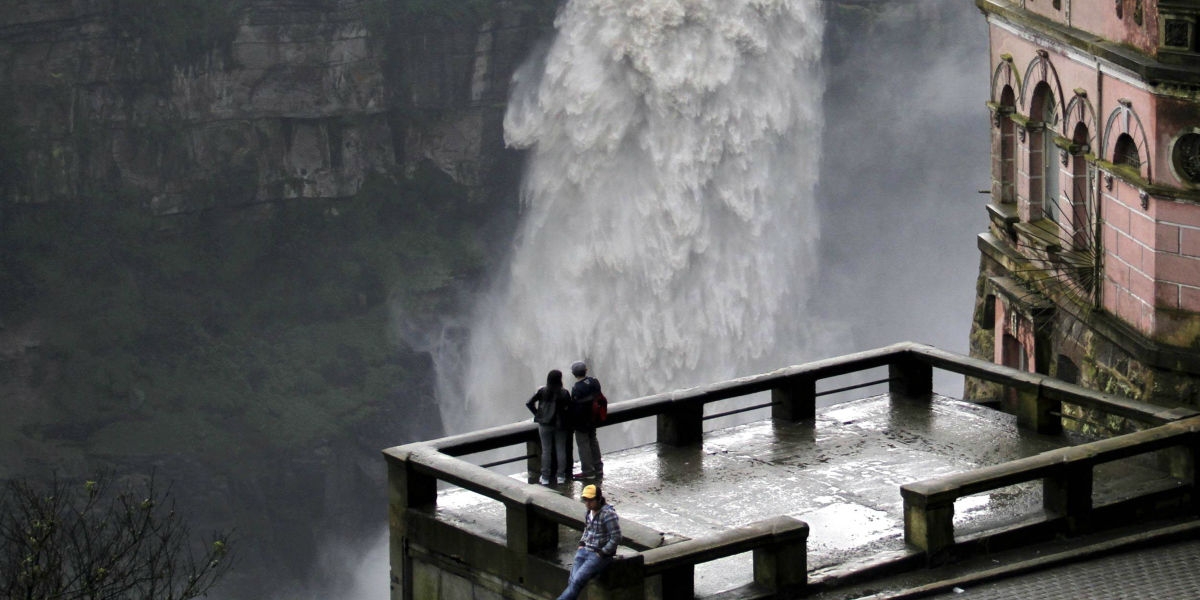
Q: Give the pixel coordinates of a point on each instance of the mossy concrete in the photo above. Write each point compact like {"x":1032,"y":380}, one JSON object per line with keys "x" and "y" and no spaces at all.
{"x":1106,"y":355}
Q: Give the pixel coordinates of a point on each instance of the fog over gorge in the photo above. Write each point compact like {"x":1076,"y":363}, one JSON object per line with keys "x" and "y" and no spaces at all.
{"x":346,"y":225}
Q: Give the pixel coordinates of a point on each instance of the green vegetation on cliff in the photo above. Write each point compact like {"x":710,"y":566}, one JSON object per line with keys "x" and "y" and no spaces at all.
{"x":163,"y":34}
{"x":268,"y":328}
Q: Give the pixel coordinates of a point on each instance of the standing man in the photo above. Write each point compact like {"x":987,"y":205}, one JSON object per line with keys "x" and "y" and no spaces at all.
{"x":597,"y":546}
{"x":585,"y":430}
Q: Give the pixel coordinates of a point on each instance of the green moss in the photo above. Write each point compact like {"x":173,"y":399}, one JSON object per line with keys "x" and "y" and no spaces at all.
{"x":1186,"y":330}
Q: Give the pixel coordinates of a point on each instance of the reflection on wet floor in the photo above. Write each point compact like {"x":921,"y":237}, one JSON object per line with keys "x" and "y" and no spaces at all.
{"x":841,"y":475}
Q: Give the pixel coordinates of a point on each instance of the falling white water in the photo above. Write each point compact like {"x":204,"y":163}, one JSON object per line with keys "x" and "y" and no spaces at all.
{"x":669,"y":226}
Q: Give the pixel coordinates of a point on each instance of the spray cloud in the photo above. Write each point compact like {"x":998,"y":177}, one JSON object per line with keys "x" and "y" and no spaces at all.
{"x":669,"y":227}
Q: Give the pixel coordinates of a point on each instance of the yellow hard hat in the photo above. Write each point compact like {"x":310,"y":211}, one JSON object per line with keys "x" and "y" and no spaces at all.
{"x":589,"y":492}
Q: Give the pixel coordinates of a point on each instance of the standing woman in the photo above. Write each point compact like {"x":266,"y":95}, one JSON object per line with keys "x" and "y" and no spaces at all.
{"x":549,"y":408}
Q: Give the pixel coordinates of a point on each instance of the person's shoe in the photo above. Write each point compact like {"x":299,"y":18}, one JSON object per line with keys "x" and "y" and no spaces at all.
{"x":580,"y":476}
{"x":544,"y":481}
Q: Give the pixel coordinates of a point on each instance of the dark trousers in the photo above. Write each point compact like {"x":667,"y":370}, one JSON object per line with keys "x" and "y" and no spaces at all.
{"x":589,"y":452}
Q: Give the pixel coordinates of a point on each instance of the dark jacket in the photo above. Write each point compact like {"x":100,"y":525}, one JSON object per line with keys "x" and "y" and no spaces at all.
{"x":549,"y":410}
{"x":579,"y":416}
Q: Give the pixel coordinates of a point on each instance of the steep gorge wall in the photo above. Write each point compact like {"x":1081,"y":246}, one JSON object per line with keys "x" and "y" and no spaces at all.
{"x":267,"y":99}
{"x":212,"y":216}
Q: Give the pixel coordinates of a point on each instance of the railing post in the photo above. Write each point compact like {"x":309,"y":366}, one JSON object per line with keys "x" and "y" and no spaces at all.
{"x":1186,"y":469}
{"x":911,"y":377}
{"x":624,"y":579}
{"x":795,"y":399}
{"x":677,"y":584}
{"x":527,"y":531}
{"x":407,"y":490}
{"x":1180,"y":462}
{"x":1068,"y":494}
{"x":783,"y":564}
{"x":681,"y":424}
{"x":928,"y":523}
{"x":1034,"y":411}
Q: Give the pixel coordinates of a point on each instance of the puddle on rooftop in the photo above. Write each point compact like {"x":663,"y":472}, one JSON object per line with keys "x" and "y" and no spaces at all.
{"x":844,"y":525}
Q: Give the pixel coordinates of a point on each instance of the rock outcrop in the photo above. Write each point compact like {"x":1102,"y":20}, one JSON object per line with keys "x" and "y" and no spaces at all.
{"x":270,"y":123}
{"x":196,"y":103}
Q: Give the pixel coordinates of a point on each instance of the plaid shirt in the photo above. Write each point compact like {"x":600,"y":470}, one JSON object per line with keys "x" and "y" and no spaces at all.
{"x":602,"y":532}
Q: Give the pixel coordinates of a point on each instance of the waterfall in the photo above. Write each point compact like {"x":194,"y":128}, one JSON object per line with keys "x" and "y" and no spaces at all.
{"x":668,"y":230}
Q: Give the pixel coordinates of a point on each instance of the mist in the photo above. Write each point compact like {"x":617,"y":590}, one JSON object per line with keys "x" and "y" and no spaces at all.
{"x":669,"y":225}
{"x":904,"y":158}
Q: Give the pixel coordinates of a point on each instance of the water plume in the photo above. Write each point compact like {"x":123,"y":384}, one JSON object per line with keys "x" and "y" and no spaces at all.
{"x":668,"y":231}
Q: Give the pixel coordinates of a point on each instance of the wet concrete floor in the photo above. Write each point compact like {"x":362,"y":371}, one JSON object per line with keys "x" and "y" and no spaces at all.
{"x":841,"y":475}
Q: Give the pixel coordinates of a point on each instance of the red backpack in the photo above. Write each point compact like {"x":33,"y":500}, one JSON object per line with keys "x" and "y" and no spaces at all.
{"x":599,"y":408}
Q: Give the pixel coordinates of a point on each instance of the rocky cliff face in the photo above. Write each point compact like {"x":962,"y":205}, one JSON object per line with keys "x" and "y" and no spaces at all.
{"x":212,"y":216}
{"x":193,"y":103}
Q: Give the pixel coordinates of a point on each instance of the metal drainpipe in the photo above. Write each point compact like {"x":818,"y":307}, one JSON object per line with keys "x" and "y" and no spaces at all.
{"x":1097,"y":188}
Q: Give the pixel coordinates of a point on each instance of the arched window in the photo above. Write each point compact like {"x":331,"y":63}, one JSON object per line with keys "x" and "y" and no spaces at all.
{"x":1125,"y":141}
{"x":1043,"y":154}
{"x":1081,"y":190}
{"x":1008,"y":145}
{"x":1125,"y":152}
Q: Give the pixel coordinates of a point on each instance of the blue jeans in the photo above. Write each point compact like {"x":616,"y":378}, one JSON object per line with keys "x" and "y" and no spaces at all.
{"x":588,"y":564}
{"x":554,"y":450}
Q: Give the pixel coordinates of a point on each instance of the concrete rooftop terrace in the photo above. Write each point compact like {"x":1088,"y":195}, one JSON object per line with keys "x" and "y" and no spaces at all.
{"x":836,"y":470}
{"x":841,"y":474}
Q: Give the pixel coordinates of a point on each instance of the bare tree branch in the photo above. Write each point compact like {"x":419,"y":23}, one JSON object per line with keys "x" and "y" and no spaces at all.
{"x":88,"y":541}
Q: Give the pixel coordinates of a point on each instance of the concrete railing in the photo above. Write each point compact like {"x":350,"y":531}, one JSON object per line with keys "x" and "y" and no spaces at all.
{"x":1067,"y":476}
{"x":533,"y":514}
{"x":780,"y":547}
{"x":1040,"y":397}
{"x":532,"y":517}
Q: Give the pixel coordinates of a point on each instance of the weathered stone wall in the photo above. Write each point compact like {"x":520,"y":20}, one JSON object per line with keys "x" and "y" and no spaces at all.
{"x":1092,"y":350}
{"x":436,"y":579}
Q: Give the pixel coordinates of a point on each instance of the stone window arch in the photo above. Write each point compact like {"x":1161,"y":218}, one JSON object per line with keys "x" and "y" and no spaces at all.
{"x":1005,"y":157}
{"x":1080,"y":110}
{"x":1005,"y":76}
{"x":1125,"y":141}
{"x":1041,"y":71}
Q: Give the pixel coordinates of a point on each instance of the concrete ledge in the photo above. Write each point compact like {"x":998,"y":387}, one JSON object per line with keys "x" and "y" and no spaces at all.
{"x":775,"y":531}
{"x":1066,"y":476}
{"x":1173,"y":533}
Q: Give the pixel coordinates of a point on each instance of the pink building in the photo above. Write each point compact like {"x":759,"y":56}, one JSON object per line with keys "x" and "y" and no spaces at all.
{"x":1090,"y":268}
